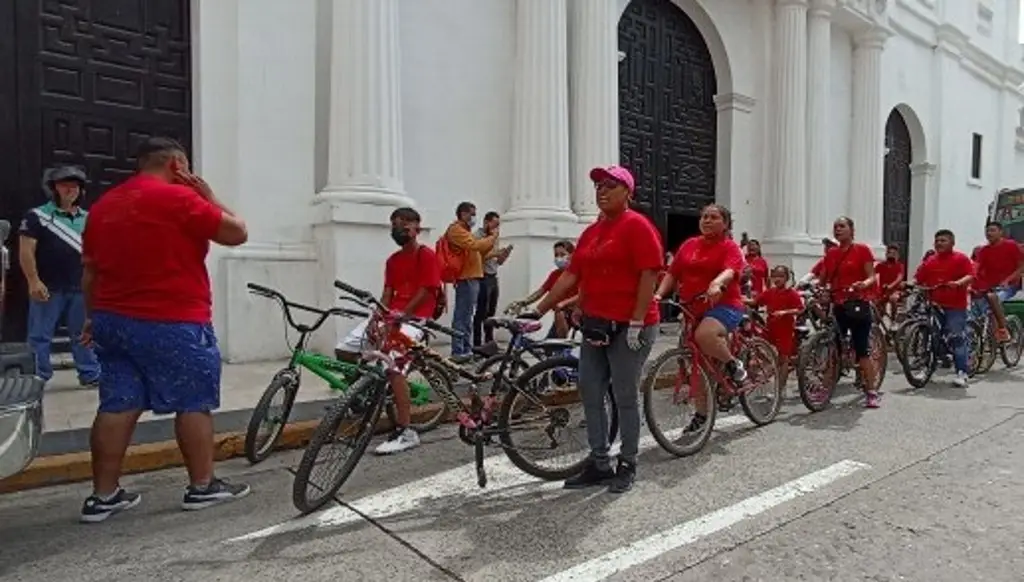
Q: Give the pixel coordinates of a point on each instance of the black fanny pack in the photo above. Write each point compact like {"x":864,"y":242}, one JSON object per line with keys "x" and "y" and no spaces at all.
{"x":599,"y":331}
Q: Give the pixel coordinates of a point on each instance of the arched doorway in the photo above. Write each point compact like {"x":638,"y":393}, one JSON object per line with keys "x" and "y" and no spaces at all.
{"x":899,"y":155}
{"x":667,"y":116}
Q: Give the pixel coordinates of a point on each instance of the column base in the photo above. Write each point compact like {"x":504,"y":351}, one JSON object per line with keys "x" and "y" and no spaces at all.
{"x":799,"y":253}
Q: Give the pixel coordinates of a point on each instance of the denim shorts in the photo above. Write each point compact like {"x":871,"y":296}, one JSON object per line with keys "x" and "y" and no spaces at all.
{"x":165,"y":367}
{"x":730,"y":317}
{"x":979,"y":305}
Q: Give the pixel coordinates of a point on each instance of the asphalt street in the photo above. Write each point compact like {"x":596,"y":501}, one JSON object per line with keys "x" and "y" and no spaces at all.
{"x":928,"y":488}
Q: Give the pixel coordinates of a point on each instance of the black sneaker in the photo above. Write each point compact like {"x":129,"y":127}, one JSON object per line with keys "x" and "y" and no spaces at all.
{"x":96,"y":509}
{"x":591,"y":476}
{"x":696,"y":423}
{"x":218,"y":491}
{"x":625,"y":475}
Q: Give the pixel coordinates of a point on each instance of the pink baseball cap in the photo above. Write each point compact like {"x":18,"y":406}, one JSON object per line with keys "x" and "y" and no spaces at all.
{"x":617,"y":173}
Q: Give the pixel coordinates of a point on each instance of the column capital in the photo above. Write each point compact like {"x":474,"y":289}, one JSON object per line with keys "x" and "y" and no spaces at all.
{"x":872,"y":38}
{"x":822,"y":8}
{"x":734,"y":102}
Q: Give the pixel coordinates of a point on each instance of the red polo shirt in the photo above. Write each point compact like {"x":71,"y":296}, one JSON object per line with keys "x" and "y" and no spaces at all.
{"x":700,"y":260}
{"x":943,"y":268}
{"x":406,"y":272}
{"x":609,"y":259}
{"x":147,"y":242}
{"x":995,"y":263}
{"x":888,"y":272}
{"x":758,"y":274}
{"x":841,"y":268}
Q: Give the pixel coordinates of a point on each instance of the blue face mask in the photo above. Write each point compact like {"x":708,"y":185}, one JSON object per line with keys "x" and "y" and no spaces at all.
{"x":471,"y":221}
{"x":561,"y":262}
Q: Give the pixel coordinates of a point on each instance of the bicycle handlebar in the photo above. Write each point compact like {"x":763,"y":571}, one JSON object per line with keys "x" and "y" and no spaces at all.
{"x":359,"y":294}
{"x":287,"y":306}
{"x":419,"y":323}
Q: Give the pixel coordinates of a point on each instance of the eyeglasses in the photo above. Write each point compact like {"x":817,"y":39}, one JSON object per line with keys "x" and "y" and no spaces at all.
{"x":606,"y":185}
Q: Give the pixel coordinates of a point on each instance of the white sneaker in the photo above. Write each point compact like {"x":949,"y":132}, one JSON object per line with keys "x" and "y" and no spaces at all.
{"x":398,"y":442}
{"x":960,"y":381}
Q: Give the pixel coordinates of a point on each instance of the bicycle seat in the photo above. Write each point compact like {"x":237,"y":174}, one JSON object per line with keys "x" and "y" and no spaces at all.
{"x":513,"y":325}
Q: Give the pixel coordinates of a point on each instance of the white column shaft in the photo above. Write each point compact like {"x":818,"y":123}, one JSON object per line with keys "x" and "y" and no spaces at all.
{"x":787,"y":205}
{"x":365,"y":144}
{"x":594,"y":94}
{"x":819,"y":145}
{"x":867,"y":147}
{"x":540,"y":133}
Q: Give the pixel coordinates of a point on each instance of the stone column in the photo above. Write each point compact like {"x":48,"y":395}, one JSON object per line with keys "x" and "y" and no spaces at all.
{"x":787,"y":205}
{"x":819,"y":88}
{"x":867,"y":144}
{"x":540,"y":132}
{"x":365,"y":143}
{"x":594,"y":94}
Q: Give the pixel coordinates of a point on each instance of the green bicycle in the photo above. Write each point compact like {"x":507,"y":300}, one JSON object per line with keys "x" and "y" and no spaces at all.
{"x":266,"y":425}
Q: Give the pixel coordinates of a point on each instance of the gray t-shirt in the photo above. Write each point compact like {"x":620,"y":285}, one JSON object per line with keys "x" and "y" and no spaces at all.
{"x":490,"y":265}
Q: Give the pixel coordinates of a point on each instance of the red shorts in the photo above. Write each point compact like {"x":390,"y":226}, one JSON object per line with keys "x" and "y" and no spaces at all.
{"x":784,"y":340}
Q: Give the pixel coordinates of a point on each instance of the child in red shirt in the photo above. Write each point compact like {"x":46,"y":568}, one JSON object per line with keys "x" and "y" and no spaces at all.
{"x":563,"y":250}
{"x":783,"y":303}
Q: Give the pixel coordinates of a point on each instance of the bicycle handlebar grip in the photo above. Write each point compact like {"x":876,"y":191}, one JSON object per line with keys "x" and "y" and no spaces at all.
{"x":355,"y":314}
{"x":443,"y":329}
{"x":352,"y":290}
{"x":260,"y":289}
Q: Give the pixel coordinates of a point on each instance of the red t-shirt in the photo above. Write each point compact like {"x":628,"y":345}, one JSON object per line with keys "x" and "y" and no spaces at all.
{"x":408,"y":271}
{"x":609,"y":258}
{"x":841,"y":268}
{"x":147,"y":241}
{"x":945,"y":268}
{"x":781,"y":329}
{"x":550,"y":281}
{"x":996,"y":262}
{"x":700,"y":260}
{"x":888,"y":272}
{"x":758,"y":274}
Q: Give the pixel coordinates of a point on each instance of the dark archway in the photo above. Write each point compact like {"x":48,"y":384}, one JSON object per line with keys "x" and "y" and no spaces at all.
{"x":667,"y":118}
{"x":84,"y":82}
{"x":899,"y":155}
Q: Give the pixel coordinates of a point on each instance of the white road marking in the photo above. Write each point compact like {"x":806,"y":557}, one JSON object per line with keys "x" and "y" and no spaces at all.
{"x":649,"y":548}
{"x":505,"y":480}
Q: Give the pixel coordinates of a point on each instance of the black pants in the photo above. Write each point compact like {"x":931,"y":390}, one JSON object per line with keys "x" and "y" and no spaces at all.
{"x":486,"y":306}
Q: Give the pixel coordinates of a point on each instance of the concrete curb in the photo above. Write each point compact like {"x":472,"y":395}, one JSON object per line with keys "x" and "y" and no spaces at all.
{"x":143,"y":458}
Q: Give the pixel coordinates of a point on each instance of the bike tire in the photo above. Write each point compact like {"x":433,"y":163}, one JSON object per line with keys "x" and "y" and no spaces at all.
{"x":324,"y":434}
{"x":900,"y":336}
{"x":1016,"y":329}
{"x":878,"y":347}
{"x":920,"y":348}
{"x":975,"y":347}
{"x":756,"y":345}
{"x":506,"y":421}
{"x":257,"y":450}
{"x":989,"y":349}
{"x":824,"y":339}
{"x":491,"y":365}
{"x":436,"y":375}
{"x":649,"y":386}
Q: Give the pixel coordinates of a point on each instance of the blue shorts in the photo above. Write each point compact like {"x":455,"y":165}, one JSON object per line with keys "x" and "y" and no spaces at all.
{"x":159,"y":366}
{"x":979,"y":305}
{"x":730,"y":317}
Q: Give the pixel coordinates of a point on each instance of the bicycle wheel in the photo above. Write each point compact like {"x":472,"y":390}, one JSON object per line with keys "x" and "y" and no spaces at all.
{"x":879,"y":352}
{"x":899,"y":339}
{"x":669,"y":384}
{"x":989,"y":348}
{"x":919,"y":362}
{"x":1010,"y":352}
{"x":435,"y":376}
{"x":266,"y":425}
{"x":515,"y":367}
{"x":309,"y":493}
{"x":529,"y":404}
{"x":817,"y":369}
{"x":763,"y":400}
{"x":974,"y":347}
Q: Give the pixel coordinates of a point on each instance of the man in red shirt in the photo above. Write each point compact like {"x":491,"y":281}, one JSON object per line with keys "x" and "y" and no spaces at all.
{"x":890,"y":273}
{"x":949,"y":272}
{"x":999,"y":265}
{"x":412,"y":281}
{"x":147,"y":297}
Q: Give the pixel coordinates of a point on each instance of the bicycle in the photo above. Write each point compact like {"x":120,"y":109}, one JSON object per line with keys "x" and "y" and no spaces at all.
{"x":1009,"y":353}
{"x":338,"y":375}
{"x":699,"y":380}
{"x":927,"y":344}
{"x":831,"y":352}
{"x":481,"y":421}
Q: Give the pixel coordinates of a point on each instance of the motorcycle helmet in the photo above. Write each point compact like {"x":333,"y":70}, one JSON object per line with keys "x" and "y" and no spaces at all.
{"x":63,"y":174}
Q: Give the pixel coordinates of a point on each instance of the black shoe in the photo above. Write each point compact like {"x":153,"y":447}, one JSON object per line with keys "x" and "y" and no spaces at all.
{"x":591,"y":476}
{"x":96,"y":509}
{"x":625,"y":475}
{"x":696,"y":424}
{"x":218,"y":491}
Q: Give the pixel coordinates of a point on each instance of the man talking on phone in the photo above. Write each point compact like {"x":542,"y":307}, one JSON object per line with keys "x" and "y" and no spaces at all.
{"x":148,"y":309}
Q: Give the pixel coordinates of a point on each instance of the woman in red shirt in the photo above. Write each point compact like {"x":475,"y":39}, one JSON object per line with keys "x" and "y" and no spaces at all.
{"x":710,"y":264}
{"x":758,"y":267}
{"x":616,"y":266}
{"x":848,"y":270}
{"x":783,"y":303}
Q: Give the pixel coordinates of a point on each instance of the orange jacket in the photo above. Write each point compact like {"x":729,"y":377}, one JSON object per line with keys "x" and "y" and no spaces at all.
{"x":474,"y":248}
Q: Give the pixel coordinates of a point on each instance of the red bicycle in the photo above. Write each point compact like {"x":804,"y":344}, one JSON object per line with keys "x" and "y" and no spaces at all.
{"x":697,"y":382}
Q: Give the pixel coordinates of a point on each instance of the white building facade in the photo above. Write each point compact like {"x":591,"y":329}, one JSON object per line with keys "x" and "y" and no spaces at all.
{"x":314,"y":119}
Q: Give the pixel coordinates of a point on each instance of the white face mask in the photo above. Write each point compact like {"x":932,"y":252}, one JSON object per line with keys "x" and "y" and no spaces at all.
{"x":561,"y":262}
